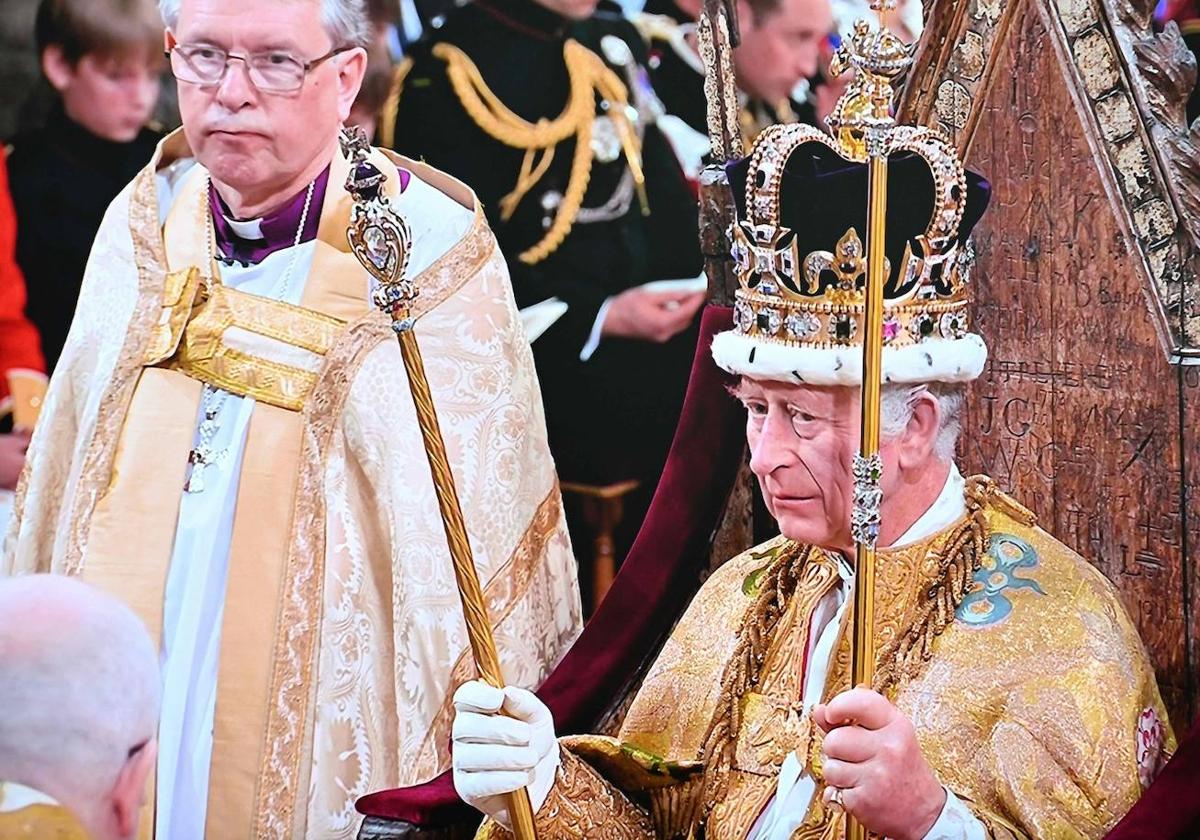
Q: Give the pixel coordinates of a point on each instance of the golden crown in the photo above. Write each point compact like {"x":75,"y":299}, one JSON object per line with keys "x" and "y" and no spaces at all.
{"x":817,"y":299}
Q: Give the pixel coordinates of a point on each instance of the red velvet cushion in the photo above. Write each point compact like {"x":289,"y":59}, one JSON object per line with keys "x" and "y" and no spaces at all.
{"x":1170,"y":808}
{"x":651,"y":590}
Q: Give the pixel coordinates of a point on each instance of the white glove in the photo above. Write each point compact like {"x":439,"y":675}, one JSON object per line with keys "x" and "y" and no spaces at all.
{"x":496,"y":754}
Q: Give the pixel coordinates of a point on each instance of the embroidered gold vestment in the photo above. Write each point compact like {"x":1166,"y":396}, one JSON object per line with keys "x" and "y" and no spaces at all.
{"x":342,"y":638}
{"x":26,"y":813}
{"x":1032,"y":699}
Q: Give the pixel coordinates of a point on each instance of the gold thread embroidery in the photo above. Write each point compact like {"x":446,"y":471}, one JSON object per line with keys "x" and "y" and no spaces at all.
{"x":246,"y":375}
{"x":582,"y":804}
{"x":307,"y":329}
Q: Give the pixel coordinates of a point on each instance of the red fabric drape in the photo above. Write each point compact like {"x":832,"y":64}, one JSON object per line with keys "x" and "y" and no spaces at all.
{"x":20,"y":346}
{"x":655,"y":582}
{"x":1182,"y":11}
{"x":1170,"y":809}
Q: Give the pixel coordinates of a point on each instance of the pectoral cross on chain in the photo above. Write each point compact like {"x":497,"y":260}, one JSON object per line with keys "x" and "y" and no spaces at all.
{"x":203,"y":455}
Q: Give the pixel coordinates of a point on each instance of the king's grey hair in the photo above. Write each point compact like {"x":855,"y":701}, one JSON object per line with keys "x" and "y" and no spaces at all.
{"x":896,"y":409}
{"x":346,"y":21}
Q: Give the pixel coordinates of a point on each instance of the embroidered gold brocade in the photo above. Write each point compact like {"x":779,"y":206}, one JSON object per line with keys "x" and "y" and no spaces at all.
{"x":204,"y":353}
{"x":1030,"y":716}
{"x":582,"y":804}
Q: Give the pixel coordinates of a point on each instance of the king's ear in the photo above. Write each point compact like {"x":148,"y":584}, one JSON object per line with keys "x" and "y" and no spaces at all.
{"x":919,"y":442}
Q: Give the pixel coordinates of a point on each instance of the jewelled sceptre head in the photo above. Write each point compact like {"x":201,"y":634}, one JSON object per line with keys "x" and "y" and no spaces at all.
{"x":381,"y":240}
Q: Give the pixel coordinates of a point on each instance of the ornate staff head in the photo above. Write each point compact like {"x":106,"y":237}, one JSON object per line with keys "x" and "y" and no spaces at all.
{"x":378,"y":236}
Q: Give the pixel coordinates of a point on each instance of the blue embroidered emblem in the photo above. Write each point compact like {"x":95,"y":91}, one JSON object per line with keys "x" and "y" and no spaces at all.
{"x":985,"y":603}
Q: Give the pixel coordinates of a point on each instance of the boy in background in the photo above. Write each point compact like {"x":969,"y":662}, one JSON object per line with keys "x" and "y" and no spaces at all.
{"x":103,"y":58}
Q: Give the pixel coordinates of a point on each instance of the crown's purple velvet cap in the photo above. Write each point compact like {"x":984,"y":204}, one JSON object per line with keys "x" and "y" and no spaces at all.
{"x":822,"y":195}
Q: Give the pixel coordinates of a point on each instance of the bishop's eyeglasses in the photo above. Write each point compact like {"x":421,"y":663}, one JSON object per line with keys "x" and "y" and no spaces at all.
{"x":271,"y":72}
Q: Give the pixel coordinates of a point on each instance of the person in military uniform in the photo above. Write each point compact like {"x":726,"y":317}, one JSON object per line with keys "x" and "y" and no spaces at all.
{"x":545,"y":109}
{"x":1011,"y":696}
{"x":782,"y":41}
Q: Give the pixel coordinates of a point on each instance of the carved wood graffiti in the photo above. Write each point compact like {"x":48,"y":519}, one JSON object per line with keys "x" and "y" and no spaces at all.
{"x":1087,"y":288}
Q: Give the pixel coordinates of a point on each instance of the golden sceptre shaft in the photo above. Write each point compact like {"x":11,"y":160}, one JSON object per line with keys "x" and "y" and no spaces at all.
{"x":862,"y":661}
{"x":380,"y":238}
{"x":479,"y":628}
{"x":864,"y":123}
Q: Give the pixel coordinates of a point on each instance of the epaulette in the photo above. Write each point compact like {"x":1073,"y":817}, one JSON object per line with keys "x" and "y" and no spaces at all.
{"x":660,"y":30}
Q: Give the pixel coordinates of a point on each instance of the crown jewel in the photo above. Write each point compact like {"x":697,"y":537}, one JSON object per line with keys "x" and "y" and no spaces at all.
{"x":816,"y":298}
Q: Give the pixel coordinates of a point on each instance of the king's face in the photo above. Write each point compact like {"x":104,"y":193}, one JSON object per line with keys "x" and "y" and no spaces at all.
{"x":802,"y":440}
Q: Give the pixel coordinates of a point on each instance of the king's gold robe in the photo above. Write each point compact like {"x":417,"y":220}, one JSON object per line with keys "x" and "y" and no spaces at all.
{"x":342,"y":638}
{"x":1033,"y":699}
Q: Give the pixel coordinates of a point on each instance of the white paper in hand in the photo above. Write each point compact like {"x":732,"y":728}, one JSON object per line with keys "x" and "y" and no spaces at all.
{"x":541,"y":316}
{"x":687,"y":286}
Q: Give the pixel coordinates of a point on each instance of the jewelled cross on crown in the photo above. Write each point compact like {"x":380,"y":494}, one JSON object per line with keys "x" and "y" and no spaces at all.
{"x":766,"y":252}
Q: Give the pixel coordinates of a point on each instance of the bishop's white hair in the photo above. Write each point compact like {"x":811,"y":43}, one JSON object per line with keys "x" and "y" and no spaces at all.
{"x":346,"y":21}
{"x":896,"y":409}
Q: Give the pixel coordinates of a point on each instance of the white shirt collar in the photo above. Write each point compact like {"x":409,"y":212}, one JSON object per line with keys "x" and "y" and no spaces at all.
{"x":949,"y":506}
{"x":250,"y":230}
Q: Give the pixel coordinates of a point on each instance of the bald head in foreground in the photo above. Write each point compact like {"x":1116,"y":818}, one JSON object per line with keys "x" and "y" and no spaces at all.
{"x":79,"y":686}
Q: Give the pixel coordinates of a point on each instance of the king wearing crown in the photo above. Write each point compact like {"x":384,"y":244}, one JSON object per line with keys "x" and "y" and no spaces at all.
{"x":1009,"y":696}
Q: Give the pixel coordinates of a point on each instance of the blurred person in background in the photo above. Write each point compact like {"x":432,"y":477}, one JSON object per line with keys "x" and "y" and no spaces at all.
{"x":22,"y":370}
{"x":783,"y":42}
{"x":589,"y":206}
{"x":79,"y":686}
{"x":104,"y":59}
{"x":384,"y":16}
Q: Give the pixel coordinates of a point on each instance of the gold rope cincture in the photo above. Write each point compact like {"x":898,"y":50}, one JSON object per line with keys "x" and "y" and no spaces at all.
{"x":589,"y":76}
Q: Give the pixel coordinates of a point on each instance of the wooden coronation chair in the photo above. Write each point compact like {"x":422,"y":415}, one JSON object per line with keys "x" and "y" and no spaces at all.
{"x":1085,"y":286}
